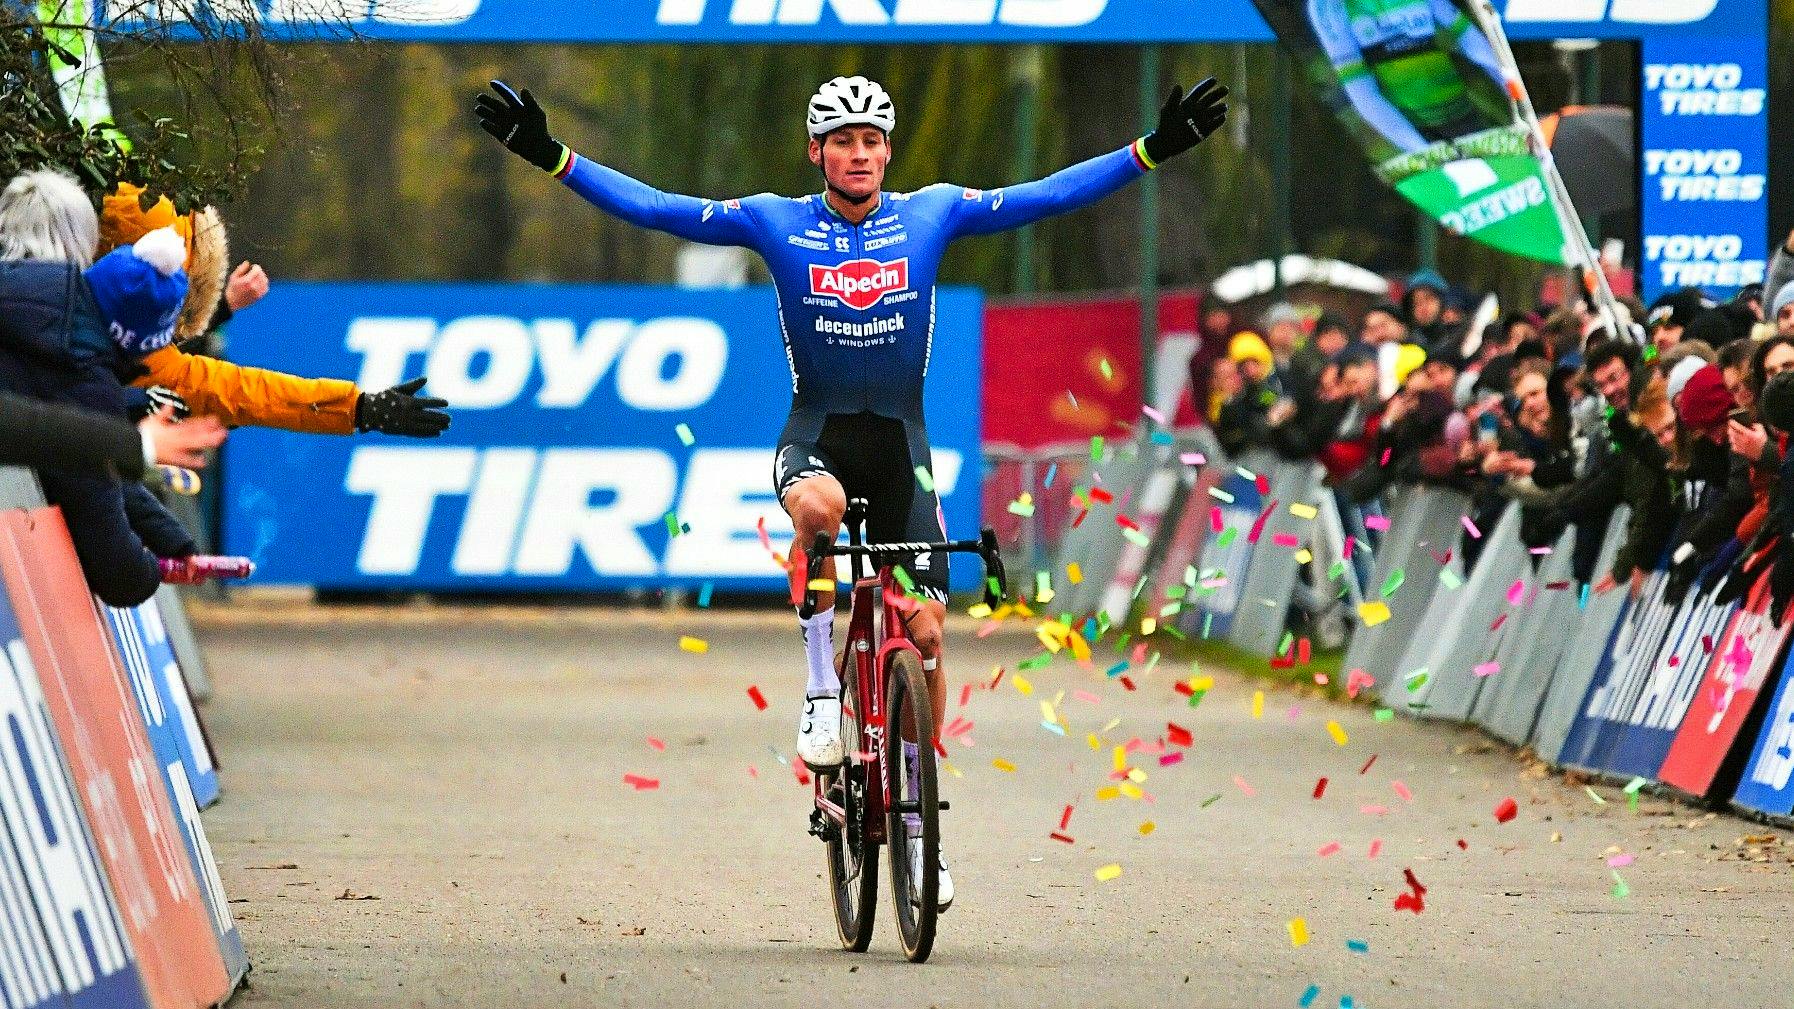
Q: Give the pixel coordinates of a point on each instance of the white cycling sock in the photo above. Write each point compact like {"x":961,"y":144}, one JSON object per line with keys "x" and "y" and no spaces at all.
{"x":819,"y":648}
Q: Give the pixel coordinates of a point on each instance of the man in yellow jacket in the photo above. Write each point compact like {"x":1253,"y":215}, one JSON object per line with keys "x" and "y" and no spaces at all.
{"x":237,"y":395}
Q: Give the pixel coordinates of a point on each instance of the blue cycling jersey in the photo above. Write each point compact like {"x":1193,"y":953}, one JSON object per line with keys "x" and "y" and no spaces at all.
{"x":856,"y":302}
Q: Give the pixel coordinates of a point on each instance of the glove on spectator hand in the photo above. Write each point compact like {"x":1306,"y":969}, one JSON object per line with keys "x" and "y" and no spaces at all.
{"x":399,"y":410}
{"x":521,"y":125}
{"x":1185,"y":120}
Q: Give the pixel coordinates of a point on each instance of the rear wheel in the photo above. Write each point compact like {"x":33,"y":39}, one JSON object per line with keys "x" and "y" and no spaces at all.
{"x":914,"y":816}
{"x":852,"y":860}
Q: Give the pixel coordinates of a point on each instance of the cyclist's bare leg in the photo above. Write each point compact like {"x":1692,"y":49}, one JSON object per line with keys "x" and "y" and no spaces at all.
{"x":925,"y":628}
{"x":816,"y":505}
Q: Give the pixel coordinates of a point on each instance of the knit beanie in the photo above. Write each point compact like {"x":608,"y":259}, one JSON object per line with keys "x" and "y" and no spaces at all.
{"x":140,"y":289}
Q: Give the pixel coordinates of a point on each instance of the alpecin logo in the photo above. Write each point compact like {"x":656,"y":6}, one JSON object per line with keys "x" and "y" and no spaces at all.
{"x":860,"y":283}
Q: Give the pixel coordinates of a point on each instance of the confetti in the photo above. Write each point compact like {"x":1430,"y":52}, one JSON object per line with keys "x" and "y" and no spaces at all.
{"x":1065,"y":838}
{"x":1393,"y":582}
{"x":1147,"y":827}
{"x":640,"y":783}
{"x":704,"y":594}
{"x":1402,"y":790}
{"x":1470,"y":527}
{"x":1258,"y":704}
{"x":1450,"y":579}
{"x":1377,"y":522}
{"x":1338,"y":733}
{"x":1003,"y":765}
{"x":1298,"y":932}
{"x":1308,"y":997}
{"x":1303,"y":511}
{"x":1414,"y":899}
{"x":1107,"y":872}
{"x":1022,"y":685}
{"x":925,"y":479}
{"x":1506,"y":810}
{"x":685,"y":436}
{"x":1178,"y":735}
{"x":1193,"y":459}
{"x":1358,"y":946}
{"x":697,"y":646}
{"x":1328,"y":849}
{"x":1415,"y":680}
{"x":758,"y":698}
{"x":1373,"y":613}
{"x":1096,"y":447}
{"x":1366,"y":767}
{"x":657,"y":744}
{"x":1074,"y":573}
{"x":1620,"y":890}
{"x":1240,"y":783}
{"x":1487,"y":669}
{"x":1594,"y":795}
{"x":1619,"y":861}
{"x":1516,"y":592}
{"x":1376,"y":846}
{"x":1320,"y":788}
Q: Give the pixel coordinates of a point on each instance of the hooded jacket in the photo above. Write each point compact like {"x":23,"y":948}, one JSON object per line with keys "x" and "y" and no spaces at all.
{"x":54,"y":348}
{"x":48,"y":436}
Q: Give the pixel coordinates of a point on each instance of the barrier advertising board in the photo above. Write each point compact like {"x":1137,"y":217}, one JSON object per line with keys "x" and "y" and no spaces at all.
{"x":568,"y":465}
{"x":1726,"y":695}
{"x":109,"y":755}
{"x":62,"y":942}
{"x":181,"y":754}
{"x":1645,"y":682}
{"x":1231,"y":510}
{"x":1768,"y":783}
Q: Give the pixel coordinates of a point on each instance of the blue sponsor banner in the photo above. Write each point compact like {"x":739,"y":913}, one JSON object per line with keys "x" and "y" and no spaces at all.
{"x":566,"y":467}
{"x":62,"y":943}
{"x":1768,"y":783}
{"x":954,"y":21}
{"x":1641,"y":691}
{"x":1225,"y":563}
{"x":186,"y":766}
{"x":1704,"y":121}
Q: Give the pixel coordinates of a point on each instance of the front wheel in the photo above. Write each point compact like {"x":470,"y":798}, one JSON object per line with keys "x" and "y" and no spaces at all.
{"x":852,"y":859}
{"x":914,"y":816}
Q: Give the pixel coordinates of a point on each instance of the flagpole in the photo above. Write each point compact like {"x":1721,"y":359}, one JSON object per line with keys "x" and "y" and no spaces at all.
{"x":1594,"y":278}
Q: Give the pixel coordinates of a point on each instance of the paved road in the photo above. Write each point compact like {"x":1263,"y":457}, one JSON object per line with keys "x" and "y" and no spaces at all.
{"x":427,"y":809}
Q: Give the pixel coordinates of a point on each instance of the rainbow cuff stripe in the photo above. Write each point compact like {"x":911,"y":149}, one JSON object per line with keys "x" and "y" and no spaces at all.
{"x":1139,"y":151}
{"x":565,"y":166}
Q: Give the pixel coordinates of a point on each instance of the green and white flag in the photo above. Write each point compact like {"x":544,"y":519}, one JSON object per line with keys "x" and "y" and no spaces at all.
{"x":1420,"y":87}
{"x":82,"y":84}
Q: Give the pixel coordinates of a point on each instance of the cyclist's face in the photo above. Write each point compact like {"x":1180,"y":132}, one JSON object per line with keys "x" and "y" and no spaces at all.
{"x":853,"y":159}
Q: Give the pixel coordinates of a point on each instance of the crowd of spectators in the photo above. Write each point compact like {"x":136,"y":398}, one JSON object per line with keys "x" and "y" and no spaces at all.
{"x":1681,"y":416}
{"x":102,"y":298}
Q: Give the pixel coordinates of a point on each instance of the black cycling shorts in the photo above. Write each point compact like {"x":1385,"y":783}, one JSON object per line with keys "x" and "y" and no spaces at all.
{"x":872,"y":458}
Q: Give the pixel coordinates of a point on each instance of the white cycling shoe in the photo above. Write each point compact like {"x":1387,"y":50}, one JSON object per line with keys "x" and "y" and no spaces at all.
{"x":819,"y":733}
{"x":943,"y":898}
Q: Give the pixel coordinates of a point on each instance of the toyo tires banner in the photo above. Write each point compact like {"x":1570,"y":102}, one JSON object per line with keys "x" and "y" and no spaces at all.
{"x":604,"y":437}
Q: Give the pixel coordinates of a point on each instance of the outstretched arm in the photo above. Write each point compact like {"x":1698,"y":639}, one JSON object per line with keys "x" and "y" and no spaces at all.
{"x":711,"y":222}
{"x":518,"y":122}
{"x":1184,"y":121}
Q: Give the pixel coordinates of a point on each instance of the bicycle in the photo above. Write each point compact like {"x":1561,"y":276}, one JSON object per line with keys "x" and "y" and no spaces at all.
{"x":863,"y":803}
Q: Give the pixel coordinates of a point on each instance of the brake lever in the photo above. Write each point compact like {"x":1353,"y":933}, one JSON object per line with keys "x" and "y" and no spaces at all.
{"x":993,"y":568}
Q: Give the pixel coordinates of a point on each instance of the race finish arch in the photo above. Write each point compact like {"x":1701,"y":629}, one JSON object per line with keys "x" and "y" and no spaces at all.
{"x":1703,"y":116}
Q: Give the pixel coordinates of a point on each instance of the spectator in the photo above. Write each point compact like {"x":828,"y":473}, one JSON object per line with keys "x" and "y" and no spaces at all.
{"x":1242,"y":422}
{"x":52,"y":436}
{"x":1423,"y":304}
{"x":54,"y":347}
{"x":242,"y":396}
{"x":1668,"y":319}
{"x":1781,"y":310}
{"x":1648,"y":437}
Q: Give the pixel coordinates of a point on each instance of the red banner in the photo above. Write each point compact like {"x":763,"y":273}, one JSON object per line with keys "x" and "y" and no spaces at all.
{"x":109,"y":753}
{"x":1057,"y":372}
{"x":1743,"y":657}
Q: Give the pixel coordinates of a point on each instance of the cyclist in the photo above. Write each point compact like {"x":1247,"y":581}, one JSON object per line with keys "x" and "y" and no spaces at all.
{"x":854,"y":268}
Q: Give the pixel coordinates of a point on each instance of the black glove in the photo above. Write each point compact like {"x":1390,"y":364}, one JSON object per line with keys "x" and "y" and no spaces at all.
{"x":399,"y":410}
{"x":521,"y":125}
{"x":1186,"y":120}
{"x":1751,"y":565}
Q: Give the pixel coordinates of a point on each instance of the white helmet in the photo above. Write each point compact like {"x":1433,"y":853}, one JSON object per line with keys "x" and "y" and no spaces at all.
{"x":851,"y":101}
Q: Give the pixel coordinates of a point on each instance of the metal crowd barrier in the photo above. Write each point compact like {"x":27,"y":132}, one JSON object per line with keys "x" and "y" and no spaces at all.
{"x":1422,"y":520}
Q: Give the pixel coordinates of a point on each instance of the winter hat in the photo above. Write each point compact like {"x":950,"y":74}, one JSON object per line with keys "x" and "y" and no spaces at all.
{"x":207,"y":251}
{"x":1249,"y":346}
{"x":1426,"y":278}
{"x":1282,"y":311}
{"x":1681,"y":373}
{"x":1677,"y":308}
{"x":1704,"y":401}
{"x":1408,"y":358}
{"x":140,"y":289}
{"x":1783,"y":298}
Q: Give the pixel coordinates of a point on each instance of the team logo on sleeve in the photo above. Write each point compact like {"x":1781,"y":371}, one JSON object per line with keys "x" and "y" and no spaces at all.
{"x":860,"y":283}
